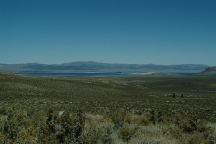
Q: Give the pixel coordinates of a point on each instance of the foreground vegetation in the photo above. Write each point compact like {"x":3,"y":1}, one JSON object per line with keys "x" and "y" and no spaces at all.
{"x":135,"y":110}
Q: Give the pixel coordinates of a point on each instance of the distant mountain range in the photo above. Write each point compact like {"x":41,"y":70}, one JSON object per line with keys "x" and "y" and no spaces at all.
{"x":210,"y":70}
{"x":91,"y":67}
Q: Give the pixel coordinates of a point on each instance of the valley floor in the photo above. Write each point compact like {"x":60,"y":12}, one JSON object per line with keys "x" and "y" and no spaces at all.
{"x":108,"y":110}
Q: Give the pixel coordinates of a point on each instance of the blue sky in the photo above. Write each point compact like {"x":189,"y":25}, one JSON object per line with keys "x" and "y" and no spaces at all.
{"x":114,"y":31}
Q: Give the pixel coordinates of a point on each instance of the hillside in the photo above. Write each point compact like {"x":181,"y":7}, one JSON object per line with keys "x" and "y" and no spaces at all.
{"x":108,"y":110}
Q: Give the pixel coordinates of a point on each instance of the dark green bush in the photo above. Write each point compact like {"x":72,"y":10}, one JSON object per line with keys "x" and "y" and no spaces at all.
{"x":63,"y":127}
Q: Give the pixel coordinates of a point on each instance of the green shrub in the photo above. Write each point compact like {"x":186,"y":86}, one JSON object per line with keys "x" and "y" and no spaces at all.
{"x":91,"y":133}
{"x":126,"y":132}
{"x":118,"y":117}
{"x":64,"y":128}
{"x":107,"y":136}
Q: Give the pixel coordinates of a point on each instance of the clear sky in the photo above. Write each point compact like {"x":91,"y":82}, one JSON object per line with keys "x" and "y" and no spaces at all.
{"x":119,"y":31}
